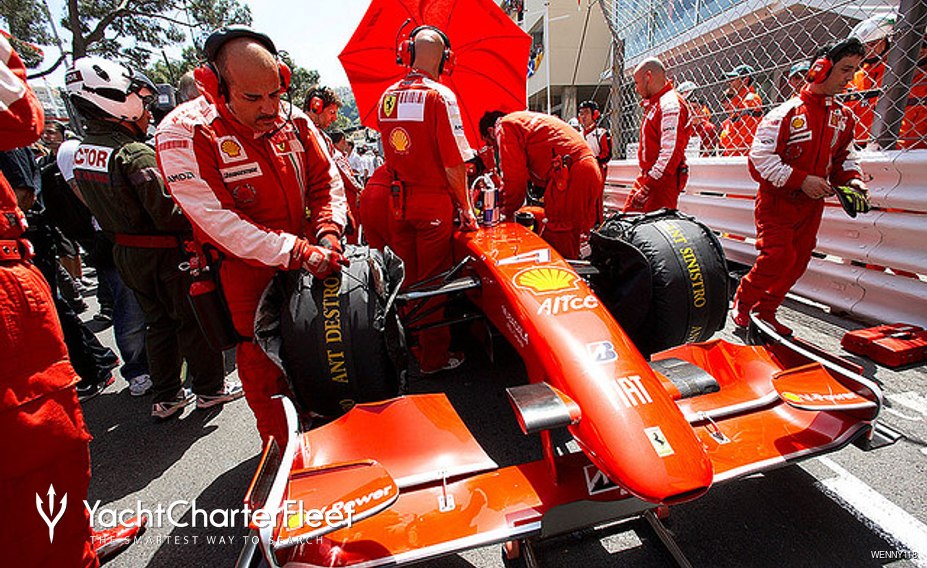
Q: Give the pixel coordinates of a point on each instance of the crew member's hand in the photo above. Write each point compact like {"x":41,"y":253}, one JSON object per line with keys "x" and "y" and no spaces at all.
{"x":816,"y":187}
{"x":859,"y":185}
{"x":25,"y":198}
{"x":468,"y":221}
{"x":637,"y":199}
{"x":331,"y":242}
{"x":319,"y":261}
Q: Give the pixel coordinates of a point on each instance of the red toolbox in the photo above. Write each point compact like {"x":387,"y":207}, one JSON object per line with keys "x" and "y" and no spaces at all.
{"x":891,"y":345}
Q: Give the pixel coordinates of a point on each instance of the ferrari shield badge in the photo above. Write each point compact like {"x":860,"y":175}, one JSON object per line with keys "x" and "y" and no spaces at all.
{"x":389,"y":105}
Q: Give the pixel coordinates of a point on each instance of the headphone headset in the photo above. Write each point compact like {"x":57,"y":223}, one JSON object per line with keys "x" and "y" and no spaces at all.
{"x":207,"y":73}
{"x":405,"y":51}
{"x":821,"y":68}
{"x":316,"y":103}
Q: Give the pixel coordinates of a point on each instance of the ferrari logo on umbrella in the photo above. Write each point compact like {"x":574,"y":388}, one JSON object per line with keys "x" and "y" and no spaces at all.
{"x":389,"y":105}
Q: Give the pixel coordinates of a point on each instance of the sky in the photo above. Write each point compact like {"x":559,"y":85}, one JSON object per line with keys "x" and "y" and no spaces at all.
{"x":312,"y":31}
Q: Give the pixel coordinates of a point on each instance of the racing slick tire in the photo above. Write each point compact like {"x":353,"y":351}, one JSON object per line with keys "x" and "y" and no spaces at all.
{"x":339,"y":339}
{"x":663,"y":275}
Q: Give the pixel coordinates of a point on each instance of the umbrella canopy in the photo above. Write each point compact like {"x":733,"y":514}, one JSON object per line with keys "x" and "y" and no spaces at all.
{"x":491,"y":50}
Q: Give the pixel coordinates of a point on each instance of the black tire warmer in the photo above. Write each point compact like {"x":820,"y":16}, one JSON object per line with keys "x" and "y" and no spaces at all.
{"x":663,"y":276}
{"x":338,"y":340}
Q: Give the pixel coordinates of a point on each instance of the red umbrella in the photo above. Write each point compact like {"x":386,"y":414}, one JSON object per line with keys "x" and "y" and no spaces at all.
{"x":491,"y":50}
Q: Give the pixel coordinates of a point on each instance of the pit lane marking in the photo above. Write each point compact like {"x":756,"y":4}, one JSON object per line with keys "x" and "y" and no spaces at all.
{"x":890,"y":521}
{"x":910,"y":400}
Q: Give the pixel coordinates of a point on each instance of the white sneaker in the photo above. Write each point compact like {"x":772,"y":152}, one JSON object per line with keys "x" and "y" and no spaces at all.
{"x":140,"y":385}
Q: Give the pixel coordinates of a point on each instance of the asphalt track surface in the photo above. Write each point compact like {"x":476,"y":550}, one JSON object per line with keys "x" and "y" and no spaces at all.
{"x":851,"y":508}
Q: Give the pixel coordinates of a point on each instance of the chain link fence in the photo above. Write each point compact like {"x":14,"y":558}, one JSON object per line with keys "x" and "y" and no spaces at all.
{"x":738,"y":59}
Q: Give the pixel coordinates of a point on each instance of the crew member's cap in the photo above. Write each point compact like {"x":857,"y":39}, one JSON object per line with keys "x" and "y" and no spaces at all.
{"x":740,"y":71}
{"x":801,"y":67}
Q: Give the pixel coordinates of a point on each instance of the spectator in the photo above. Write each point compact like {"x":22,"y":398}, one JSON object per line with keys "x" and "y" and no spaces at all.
{"x":665,"y":133}
{"x":426,"y":152}
{"x":744,"y":111}
{"x":259,"y":221}
{"x":866,"y":86}
{"x":804,"y":147}
{"x":125,"y":191}
{"x":796,"y":78}
{"x":548,"y":153}
{"x":700,"y":120}
{"x":913,"y":132}
{"x":354,"y":160}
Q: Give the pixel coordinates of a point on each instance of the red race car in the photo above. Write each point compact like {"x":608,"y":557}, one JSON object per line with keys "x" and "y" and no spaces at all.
{"x":404,"y":479}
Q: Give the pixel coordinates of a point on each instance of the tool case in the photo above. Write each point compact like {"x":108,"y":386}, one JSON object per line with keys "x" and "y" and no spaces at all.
{"x":891,"y":345}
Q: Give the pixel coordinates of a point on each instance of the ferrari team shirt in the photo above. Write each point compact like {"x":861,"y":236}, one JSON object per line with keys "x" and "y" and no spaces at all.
{"x":422,"y":130}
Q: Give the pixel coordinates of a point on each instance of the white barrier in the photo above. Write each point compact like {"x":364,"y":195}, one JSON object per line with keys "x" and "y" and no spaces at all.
{"x":850,"y":278}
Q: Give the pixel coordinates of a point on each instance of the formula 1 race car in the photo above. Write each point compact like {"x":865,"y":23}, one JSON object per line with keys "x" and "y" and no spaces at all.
{"x":403,"y":480}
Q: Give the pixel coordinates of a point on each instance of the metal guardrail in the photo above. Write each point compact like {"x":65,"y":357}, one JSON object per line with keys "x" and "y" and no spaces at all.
{"x":873,"y":267}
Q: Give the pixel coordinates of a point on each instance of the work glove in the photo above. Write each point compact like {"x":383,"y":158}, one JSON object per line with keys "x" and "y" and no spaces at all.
{"x":853,"y":200}
{"x":331,"y":242}
{"x":318,"y":261}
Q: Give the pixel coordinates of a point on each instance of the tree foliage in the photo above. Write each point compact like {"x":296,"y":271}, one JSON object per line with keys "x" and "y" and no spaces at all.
{"x":134,"y":31}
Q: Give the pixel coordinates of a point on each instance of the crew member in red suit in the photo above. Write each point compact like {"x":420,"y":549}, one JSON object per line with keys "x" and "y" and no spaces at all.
{"x":426,"y":150}
{"x":321,"y":106}
{"x":44,"y":441}
{"x":549,"y":153}
{"x":665,"y":132}
{"x":803,"y":149}
{"x":245,"y":167}
{"x":598,"y":138}
{"x":744,"y":112}
{"x":699,"y":120}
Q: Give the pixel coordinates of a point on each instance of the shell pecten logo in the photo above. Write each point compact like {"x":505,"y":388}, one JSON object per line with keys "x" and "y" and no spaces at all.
{"x":545,"y":280}
{"x":791,"y":396}
{"x":400,"y":141}
{"x":231,"y":148}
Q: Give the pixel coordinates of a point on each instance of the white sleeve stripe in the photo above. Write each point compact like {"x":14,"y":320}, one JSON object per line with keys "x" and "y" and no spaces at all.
{"x":11,"y":87}
{"x":453,"y":116}
{"x":763,"y":152}
{"x":237,"y":235}
{"x":669,"y":132}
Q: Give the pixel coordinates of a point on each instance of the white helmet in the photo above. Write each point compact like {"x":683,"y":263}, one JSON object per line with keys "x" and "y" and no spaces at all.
{"x":109,"y":87}
{"x":686,"y":87}
{"x":875,"y":28}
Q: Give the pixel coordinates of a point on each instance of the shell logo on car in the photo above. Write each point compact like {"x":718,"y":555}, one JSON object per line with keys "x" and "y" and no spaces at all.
{"x":546,"y":280}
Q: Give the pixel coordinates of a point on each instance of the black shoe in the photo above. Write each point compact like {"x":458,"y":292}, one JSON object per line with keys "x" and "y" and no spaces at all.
{"x":105,"y":318}
{"x":87,"y":390}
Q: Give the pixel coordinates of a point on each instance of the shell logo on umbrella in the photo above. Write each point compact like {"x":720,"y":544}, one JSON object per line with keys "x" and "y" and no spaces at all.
{"x":546,"y":280}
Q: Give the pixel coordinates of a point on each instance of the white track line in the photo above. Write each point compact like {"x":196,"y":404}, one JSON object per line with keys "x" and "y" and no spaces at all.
{"x":892,"y":522}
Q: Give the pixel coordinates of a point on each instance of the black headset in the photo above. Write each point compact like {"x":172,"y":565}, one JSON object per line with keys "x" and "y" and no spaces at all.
{"x":405,"y":51}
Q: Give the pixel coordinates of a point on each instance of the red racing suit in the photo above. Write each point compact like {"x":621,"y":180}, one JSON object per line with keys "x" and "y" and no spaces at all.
{"x":374,"y":208}
{"x":248,"y":195}
{"x":743,"y":117}
{"x":807,"y":135}
{"x":44,"y":441}
{"x":551,"y":154}
{"x":665,"y":133}
{"x":422,"y":134}
{"x":600,"y":142}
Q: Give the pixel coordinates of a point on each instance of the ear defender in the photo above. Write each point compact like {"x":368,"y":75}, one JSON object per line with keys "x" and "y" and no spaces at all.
{"x":820,"y":70}
{"x":285,"y":75}
{"x":405,"y":53}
